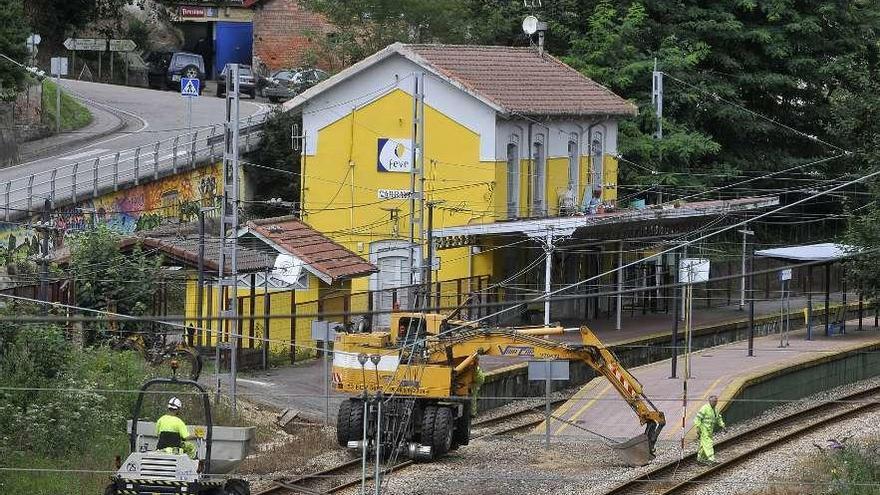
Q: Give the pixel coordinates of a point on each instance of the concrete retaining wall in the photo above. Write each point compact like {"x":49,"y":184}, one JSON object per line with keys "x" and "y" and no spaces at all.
{"x":504,"y":385}
{"x":760,"y":393}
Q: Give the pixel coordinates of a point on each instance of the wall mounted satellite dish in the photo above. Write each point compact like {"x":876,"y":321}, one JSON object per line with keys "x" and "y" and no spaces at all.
{"x":530,"y":25}
{"x":289,"y":269}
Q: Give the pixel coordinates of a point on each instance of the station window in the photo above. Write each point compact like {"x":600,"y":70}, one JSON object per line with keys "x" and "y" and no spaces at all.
{"x":539,"y":178}
{"x":512,"y":180}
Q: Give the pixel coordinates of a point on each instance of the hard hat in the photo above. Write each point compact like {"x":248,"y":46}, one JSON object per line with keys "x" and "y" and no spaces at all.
{"x":174,"y":403}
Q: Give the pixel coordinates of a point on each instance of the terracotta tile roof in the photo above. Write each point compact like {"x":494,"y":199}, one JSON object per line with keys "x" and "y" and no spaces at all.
{"x":317,"y":251}
{"x":520,"y":80}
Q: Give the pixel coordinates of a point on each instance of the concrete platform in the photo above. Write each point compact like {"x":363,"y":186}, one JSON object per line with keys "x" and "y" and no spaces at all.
{"x":720,"y":371}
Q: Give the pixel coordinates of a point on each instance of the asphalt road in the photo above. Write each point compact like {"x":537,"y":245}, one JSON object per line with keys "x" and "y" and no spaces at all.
{"x":146,"y":116}
{"x":124,"y":118}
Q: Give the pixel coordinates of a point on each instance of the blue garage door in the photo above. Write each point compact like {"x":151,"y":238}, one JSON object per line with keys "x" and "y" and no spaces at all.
{"x":233,"y":43}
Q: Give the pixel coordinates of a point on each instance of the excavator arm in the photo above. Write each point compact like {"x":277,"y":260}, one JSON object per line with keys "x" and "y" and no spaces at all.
{"x":462,"y":348}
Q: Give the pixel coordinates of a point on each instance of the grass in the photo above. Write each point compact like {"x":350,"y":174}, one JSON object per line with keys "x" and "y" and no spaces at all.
{"x":854,"y":470}
{"x":306,"y":442}
{"x":73,"y":114}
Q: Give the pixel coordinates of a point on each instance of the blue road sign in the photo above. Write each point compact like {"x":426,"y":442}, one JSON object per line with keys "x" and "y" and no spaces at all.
{"x":189,"y":87}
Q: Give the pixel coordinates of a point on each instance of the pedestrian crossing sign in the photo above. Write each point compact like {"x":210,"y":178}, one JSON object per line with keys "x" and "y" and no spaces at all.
{"x":189,"y":87}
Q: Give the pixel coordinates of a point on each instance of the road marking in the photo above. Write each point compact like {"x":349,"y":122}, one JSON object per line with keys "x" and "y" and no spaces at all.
{"x":255,"y":382}
{"x":580,"y":411}
{"x":84,"y":154}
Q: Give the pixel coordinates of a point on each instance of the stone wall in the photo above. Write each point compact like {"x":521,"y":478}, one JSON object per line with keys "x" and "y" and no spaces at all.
{"x":21,"y":120}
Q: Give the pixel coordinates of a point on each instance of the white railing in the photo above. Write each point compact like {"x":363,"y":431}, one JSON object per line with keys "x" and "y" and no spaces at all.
{"x":23,"y":196}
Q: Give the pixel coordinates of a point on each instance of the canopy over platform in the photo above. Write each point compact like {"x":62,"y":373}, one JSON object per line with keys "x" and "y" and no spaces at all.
{"x":827,"y":251}
{"x":655,"y":221}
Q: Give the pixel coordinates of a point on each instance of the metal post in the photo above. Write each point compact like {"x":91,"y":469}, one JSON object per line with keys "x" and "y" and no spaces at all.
{"x":52,"y":177}
{"x":189,"y":113}
{"x":742,"y":280}
{"x":155,"y":161}
{"x":116,"y":172}
{"x":619,"y":322}
{"x":200,"y":283}
{"x":548,"y":366}
{"x":7,"y":195}
{"x":861,"y":308}
{"x":229,"y":224}
{"x":73,"y":182}
{"x":675,"y":308}
{"x":30,"y":193}
{"x":810,"y":302}
{"x":429,"y":266}
{"x":377,"y":477}
{"x":174,"y":154}
{"x":44,"y":258}
{"x":364,"y":451}
{"x":751,"y":301}
{"x":192,"y":151}
{"x":58,"y":104}
{"x":827,"y":299}
{"x":548,"y":273}
{"x":267,"y":307}
{"x":326,"y":374}
{"x":137,"y":165}
{"x":95,"y":177}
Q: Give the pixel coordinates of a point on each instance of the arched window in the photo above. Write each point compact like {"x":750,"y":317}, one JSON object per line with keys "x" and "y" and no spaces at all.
{"x":513,"y":179}
{"x":597,"y":152}
{"x":574,"y":169}
{"x":539,"y":177}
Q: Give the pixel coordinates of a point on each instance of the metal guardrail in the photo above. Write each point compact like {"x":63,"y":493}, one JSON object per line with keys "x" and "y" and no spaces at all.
{"x":131,"y":167}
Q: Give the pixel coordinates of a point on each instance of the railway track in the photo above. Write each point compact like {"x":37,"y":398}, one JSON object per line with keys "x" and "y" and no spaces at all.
{"x":348,"y":474}
{"x":688,"y":476}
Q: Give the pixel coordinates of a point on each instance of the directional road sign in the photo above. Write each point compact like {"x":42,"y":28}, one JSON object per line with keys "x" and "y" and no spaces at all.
{"x":189,"y":87}
{"x":122,"y":45}
{"x":86,"y":44}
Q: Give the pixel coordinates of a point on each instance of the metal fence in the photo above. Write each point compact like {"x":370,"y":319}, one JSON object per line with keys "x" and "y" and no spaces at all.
{"x":89,"y":179}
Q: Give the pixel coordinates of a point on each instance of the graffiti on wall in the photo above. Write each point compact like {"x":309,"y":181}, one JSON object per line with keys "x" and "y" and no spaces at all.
{"x":148,"y":205}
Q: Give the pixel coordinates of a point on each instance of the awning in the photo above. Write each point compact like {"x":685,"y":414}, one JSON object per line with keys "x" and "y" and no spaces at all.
{"x":563,"y":226}
{"x":827,"y":251}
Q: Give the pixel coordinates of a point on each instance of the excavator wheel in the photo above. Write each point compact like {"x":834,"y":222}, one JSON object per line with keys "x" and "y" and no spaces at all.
{"x":428,"y":416}
{"x":444,"y":423}
{"x":462,"y":434}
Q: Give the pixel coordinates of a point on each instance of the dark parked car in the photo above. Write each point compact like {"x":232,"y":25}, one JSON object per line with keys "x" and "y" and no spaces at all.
{"x":287,"y":83}
{"x":246,"y":82}
{"x":166,"y":69}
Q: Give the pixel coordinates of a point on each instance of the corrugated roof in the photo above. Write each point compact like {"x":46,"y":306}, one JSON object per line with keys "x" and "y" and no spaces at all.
{"x":521,"y":80}
{"x":318,"y":252}
{"x":511,"y":80}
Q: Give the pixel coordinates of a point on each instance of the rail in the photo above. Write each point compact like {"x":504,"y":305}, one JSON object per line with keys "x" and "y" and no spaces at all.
{"x":69,"y":184}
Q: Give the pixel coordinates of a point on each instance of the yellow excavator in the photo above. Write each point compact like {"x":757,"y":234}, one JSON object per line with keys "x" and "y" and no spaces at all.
{"x":424,"y":370}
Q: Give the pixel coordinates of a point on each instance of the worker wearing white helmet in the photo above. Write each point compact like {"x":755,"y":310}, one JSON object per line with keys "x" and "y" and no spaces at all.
{"x":170,"y":422}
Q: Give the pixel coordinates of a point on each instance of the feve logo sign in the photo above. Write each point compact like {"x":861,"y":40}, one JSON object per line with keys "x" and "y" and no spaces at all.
{"x":395,"y":155}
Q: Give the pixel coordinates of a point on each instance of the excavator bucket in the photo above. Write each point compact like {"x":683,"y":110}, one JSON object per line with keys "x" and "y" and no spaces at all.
{"x":636,"y":451}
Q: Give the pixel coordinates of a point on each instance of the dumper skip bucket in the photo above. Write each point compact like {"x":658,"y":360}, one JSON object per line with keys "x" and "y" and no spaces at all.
{"x":636,"y":451}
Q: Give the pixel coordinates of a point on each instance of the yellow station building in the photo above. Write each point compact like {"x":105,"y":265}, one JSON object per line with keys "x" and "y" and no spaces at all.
{"x":492,"y":134}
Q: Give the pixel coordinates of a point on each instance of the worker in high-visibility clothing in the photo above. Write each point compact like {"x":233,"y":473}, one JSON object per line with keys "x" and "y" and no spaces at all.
{"x":170,"y":422}
{"x":707,"y":419}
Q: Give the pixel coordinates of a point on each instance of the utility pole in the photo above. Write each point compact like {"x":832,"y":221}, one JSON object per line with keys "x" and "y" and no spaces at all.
{"x":45,"y":229}
{"x":229,"y":229}
{"x":548,"y":272}
{"x":429,"y":266}
{"x":417,"y":175}
{"x":657,"y":99}
{"x":742,"y":280}
{"x":201,"y":268}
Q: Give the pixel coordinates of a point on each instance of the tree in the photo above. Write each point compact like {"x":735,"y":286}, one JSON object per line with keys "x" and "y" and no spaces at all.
{"x":276,"y":151}
{"x":13,"y":34}
{"x":108,"y":280}
{"x":55,"y":20}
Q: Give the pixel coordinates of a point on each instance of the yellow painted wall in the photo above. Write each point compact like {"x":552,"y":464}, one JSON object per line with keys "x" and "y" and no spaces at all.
{"x":280,"y":304}
{"x":341,"y":181}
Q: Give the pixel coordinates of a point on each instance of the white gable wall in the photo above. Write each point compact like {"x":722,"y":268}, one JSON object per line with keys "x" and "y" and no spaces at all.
{"x":385,"y":76}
